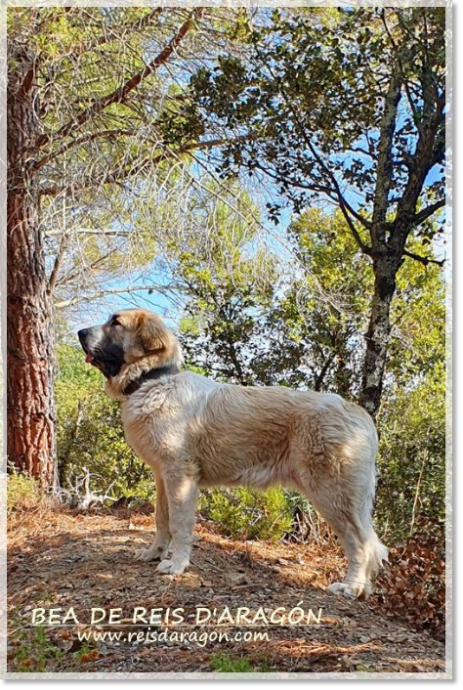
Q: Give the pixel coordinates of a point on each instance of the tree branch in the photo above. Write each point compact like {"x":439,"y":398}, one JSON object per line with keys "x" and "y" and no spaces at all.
{"x":386,"y":136}
{"x":384,"y":167}
{"x":116,"y":291}
{"x":57,"y":264}
{"x":88,"y":231}
{"x":76,"y":274}
{"x":120,"y":94}
{"x":111,"y":35}
{"x":423,"y":161}
{"x":346,"y":209}
{"x":85,"y":138}
{"x":114,"y":177}
{"x":425,"y":260}
{"x":425,"y":213}
{"x":324,"y":370}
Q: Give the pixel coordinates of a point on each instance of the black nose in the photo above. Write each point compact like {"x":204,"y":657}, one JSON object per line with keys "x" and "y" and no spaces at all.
{"x":83,"y":334}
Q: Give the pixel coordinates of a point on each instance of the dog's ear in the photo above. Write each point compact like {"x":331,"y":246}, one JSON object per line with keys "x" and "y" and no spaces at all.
{"x":152,"y":333}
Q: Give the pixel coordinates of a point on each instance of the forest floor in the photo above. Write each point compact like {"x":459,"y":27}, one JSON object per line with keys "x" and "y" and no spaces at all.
{"x":63,"y":559}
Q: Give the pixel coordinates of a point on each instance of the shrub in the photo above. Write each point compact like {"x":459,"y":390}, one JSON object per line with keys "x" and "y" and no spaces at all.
{"x":411,"y":463}
{"x":22,"y":492}
{"x":222,"y":663}
{"x":306,"y":524}
{"x":248,"y":514}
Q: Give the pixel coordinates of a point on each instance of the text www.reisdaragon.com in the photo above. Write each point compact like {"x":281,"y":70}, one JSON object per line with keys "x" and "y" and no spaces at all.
{"x":173,"y":636}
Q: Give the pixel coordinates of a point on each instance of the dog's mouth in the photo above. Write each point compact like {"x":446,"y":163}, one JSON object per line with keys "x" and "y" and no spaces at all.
{"x":89,"y":356}
{"x":92,"y":359}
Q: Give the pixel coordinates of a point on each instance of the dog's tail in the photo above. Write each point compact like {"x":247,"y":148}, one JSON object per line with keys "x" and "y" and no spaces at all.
{"x":376,"y":552}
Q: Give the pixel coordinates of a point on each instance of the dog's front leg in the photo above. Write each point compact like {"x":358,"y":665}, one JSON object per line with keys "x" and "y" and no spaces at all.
{"x":160,"y":546}
{"x":181,"y":495}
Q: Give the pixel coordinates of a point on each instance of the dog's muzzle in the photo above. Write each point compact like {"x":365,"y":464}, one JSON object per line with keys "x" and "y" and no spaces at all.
{"x":101,"y":351}
{"x":90,"y":339}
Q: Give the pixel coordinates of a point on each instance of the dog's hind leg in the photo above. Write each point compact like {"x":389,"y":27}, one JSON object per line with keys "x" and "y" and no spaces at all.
{"x":182,"y":493}
{"x":347,"y":508}
{"x":365,"y":559}
{"x":160,"y":546}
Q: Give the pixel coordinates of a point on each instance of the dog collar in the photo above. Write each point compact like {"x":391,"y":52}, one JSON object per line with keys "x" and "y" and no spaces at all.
{"x":150,"y":375}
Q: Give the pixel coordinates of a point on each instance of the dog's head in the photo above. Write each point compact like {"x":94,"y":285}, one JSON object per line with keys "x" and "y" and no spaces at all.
{"x":128,"y":337}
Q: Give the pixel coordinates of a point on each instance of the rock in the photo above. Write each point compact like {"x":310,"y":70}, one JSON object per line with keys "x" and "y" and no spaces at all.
{"x":191,"y":581}
{"x":235,"y":579}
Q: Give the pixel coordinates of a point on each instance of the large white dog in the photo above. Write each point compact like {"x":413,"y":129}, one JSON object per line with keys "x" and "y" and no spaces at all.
{"x":194,"y":432}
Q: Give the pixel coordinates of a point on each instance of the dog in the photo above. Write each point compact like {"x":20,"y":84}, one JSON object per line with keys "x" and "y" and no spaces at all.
{"x":194,"y":432}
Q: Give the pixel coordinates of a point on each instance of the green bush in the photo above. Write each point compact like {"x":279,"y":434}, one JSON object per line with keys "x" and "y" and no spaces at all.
{"x":90,"y":433}
{"x":248,"y":514}
{"x":224,"y":663}
{"x":411,"y":486}
{"x":22,"y":491}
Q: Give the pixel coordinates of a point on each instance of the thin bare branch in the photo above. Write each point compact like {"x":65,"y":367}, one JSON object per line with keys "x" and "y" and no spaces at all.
{"x":85,"y":138}
{"x":114,"y":291}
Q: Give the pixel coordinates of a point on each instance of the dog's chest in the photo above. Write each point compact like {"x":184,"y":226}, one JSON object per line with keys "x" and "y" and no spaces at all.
{"x":153,"y":434}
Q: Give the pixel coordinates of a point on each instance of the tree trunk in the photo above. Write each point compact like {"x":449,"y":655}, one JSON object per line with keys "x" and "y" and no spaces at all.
{"x":379,"y":329}
{"x":30,"y":416}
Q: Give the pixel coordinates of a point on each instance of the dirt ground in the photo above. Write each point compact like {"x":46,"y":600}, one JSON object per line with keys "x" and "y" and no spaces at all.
{"x":58,"y":560}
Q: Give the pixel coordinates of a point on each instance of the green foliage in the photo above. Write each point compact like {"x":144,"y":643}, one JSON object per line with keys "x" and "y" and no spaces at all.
{"x":22,"y":491}
{"x":307,"y":93}
{"x":417,"y":348}
{"x":248,"y":514}
{"x":90,"y":433}
{"x":321,"y":309}
{"x":229,"y":279}
{"x":313,"y":116}
{"x":412,"y":457}
{"x":224,"y":663}
{"x":117,"y":134}
{"x":36,"y":653}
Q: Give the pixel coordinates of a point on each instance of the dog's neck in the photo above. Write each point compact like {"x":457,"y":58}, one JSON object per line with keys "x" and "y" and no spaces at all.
{"x":132,"y":376}
{"x":150,"y":375}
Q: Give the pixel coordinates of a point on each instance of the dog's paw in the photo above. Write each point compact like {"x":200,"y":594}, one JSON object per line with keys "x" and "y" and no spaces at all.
{"x":172,"y":567}
{"x":153,"y":553}
{"x":349,"y":590}
{"x":148,"y":555}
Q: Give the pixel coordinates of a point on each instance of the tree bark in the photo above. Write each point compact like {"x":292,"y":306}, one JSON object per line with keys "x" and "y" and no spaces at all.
{"x":378,"y":333}
{"x":30,"y":415}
